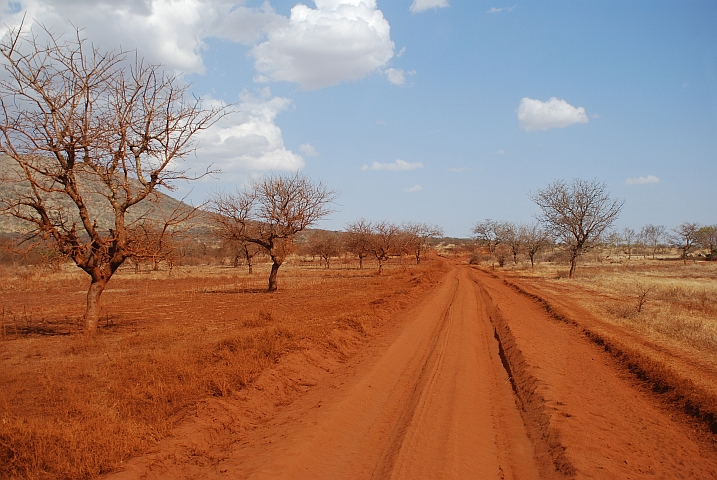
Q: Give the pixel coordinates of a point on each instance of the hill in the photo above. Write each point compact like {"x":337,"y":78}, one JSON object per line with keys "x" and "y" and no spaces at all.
{"x":154,"y":208}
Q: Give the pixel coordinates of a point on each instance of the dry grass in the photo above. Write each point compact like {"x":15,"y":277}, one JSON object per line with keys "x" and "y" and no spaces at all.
{"x":72,"y":407}
{"x":667,"y":301}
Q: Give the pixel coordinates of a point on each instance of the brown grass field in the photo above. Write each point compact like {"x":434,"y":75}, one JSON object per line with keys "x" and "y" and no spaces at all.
{"x":77,"y":407}
{"x":73,"y":407}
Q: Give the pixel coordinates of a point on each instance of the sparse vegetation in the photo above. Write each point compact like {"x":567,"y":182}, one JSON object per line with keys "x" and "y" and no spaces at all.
{"x":73,"y":407}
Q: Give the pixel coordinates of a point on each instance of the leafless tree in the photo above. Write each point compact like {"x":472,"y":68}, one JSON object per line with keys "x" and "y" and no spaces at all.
{"x":652,"y":235}
{"x":418,"y":235}
{"x":577,"y":213}
{"x":385,"y":242}
{"x":271,"y":211}
{"x":684,"y":237}
{"x":706,"y":237}
{"x":489,"y":234}
{"x":511,"y":238}
{"x":533,"y":239}
{"x":629,"y":237}
{"x":325,"y":244}
{"x":358,"y":239}
{"x":82,"y":127}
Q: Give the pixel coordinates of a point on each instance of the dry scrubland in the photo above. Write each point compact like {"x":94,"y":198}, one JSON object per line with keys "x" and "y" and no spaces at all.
{"x":73,"y":407}
{"x":666,"y":300}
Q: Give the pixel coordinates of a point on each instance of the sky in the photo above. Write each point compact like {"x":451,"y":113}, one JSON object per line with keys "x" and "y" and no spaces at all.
{"x":440,"y":111}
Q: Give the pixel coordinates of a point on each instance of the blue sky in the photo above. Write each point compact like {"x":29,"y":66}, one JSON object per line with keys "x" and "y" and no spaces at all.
{"x":438,"y":110}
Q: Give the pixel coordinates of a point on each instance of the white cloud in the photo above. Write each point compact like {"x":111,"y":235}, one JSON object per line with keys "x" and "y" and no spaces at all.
{"x":308,"y":150}
{"x":249,"y":140}
{"x":339,"y":40}
{"x":170,"y":32}
{"x":422,"y":5}
{"x":413,"y":189}
{"x":397,"y":166}
{"x":501,"y":9}
{"x":555,"y":113}
{"x":401,"y":52}
{"x":642,"y":180}
{"x":457,"y":169}
{"x":500,"y":152}
{"x":397,"y":76}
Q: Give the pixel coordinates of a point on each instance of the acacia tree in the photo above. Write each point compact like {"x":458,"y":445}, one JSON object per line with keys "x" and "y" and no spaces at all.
{"x":89,"y":132}
{"x":270,"y":211}
{"x":533,"y":239}
{"x":684,"y":237}
{"x":706,"y":237}
{"x":652,"y":235}
{"x":358,"y":239}
{"x":577,"y":213}
{"x":418,"y":235}
{"x":488,"y":233}
{"x":384,"y":242}
{"x":326,"y":245}
{"x":628,"y":236}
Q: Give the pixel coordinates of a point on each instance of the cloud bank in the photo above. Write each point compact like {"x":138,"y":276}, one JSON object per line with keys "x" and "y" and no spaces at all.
{"x":642,"y":180}
{"x":555,"y":113}
{"x":419,"y":6}
{"x":339,"y":40}
{"x":397,"y":166}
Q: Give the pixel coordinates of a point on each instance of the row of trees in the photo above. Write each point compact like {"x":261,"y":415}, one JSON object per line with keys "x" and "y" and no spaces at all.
{"x":579,"y":216}
{"x":650,"y":238}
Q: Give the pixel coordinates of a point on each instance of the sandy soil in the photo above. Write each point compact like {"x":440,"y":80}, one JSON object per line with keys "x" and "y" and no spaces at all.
{"x":478,"y":381}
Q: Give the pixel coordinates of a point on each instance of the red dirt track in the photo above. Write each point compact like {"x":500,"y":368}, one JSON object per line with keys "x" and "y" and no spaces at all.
{"x":479,"y":381}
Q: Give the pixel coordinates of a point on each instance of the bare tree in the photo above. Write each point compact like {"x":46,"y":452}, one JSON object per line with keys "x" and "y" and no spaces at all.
{"x":418,"y":235}
{"x":706,"y":237}
{"x":684,"y":238}
{"x":385,"y":238}
{"x":271,"y":211}
{"x":577,"y":213}
{"x":325,"y":244}
{"x":533,"y":239}
{"x":629,"y":237}
{"x":488,"y":233}
{"x":511,"y":238}
{"x":358,"y":239}
{"x":243,"y":250}
{"x":652,"y":235}
{"x":83,"y":127}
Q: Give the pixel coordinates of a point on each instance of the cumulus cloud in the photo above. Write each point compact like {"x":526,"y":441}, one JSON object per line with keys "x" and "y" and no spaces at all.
{"x":413,"y":189}
{"x":555,"y":113}
{"x":397,"y":166}
{"x":339,"y":40}
{"x":170,"y":32}
{"x":308,"y":150}
{"x":422,"y":5}
{"x":642,"y":180}
{"x":249,"y":140}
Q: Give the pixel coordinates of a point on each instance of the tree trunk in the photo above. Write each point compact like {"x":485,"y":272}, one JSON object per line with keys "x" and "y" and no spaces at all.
{"x":92,"y":314}
{"x":248,"y":261}
{"x":532,"y":263}
{"x":573,"y":263}
{"x":272,"y":276}
{"x":380,"y":266}
{"x":360,"y":262}
{"x":418,"y":257}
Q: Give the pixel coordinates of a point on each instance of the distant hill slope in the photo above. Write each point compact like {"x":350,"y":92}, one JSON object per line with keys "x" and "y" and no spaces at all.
{"x":152,"y":208}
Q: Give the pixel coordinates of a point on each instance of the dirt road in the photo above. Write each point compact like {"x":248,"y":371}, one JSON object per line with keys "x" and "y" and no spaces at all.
{"x":479,"y":382}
